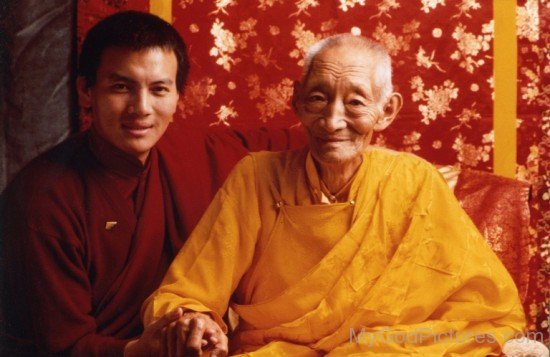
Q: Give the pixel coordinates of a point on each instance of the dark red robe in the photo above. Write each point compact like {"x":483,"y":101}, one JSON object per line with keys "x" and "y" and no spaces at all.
{"x":88,"y":232}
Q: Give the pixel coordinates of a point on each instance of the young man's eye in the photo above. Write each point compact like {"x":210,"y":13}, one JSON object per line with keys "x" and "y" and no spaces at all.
{"x":120,"y":87}
{"x":160,"y":90}
{"x":315,"y":98}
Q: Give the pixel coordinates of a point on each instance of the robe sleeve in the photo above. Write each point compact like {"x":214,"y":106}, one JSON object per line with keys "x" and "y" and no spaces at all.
{"x":444,"y":291}
{"x":51,"y":295}
{"x":210,"y":265}
{"x":47,"y":293}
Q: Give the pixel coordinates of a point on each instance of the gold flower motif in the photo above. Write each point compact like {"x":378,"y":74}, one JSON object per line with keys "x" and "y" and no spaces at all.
{"x":264,"y":4}
{"x":469,"y":154}
{"x":431,"y":4}
{"x":527,"y":20}
{"x":264,"y":59}
{"x":436,"y":100}
{"x":493,"y":236}
{"x":488,"y":138}
{"x":304,"y":40}
{"x":395,"y":44}
{"x":345,"y":5}
{"x":411,"y":141}
{"x":224,"y":114}
{"x":329,"y":25}
{"x":275,"y":99}
{"x":226,"y":42}
{"x":222,"y":4}
{"x":247,"y":30}
{"x":380,"y":140}
{"x":466,"y":116}
{"x":530,"y":171}
{"x":274,"y":30}
{"x":196,"y":97}
{"x":303,"y":5}
{"x":194,"y":28}
{"x":465,"y":6}
{"x":385,"y":6}
{"x":422,"y":60}
{"x":184,"y":3}
{"x":253,"y":83}
{"x":469,"y":46}
{"x":532,"y":91}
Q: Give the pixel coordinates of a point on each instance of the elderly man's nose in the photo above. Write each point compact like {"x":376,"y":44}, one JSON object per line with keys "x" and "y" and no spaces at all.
{"x":334,"y":118}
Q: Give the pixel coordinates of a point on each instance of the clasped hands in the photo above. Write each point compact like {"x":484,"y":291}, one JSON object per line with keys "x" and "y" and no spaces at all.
{"x":180,"y":333}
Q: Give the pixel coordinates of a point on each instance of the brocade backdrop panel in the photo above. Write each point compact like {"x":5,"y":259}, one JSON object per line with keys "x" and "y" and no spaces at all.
{"x":245,"y":55}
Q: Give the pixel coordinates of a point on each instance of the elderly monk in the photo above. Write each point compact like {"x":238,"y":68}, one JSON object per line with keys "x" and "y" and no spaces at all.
{"x":338,"y":248}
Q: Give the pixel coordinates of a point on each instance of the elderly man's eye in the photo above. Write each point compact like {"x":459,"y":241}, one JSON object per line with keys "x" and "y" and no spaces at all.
{"x":356,"y":102}
{"x":315,"y":103}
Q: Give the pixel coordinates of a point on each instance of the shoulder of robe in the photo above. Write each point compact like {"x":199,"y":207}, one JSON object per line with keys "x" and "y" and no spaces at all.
{"x":275,"y":163}
{"x":50,"y":187}
{"x":404,"y":175}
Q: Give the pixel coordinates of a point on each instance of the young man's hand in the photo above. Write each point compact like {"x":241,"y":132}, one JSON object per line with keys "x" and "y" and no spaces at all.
{"x":149,"y":344}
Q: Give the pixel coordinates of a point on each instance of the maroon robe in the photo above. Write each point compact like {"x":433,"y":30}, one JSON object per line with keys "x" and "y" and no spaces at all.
{"x":74,"y":281}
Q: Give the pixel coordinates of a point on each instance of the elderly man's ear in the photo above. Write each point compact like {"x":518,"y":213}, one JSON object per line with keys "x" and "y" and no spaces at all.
{"x":296,"y":95}
{"x":390,"y":110}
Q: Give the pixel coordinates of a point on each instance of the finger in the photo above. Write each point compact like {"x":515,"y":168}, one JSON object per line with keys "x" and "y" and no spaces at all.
{"x":163,"y":352}
{"x":166,"y":319}
{"x":210,"y":336}
{"x":181,"y":332}
{"x":172,"y":340}
{"x":195,"y":335}
{"x":219,"y":350}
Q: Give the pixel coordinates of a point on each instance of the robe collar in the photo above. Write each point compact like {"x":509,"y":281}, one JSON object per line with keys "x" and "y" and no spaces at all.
{"x":319,"y":192}
{"x":114,"y":159}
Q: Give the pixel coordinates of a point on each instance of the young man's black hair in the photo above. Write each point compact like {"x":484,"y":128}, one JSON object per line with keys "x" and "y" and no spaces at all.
{"x":136,"y":31}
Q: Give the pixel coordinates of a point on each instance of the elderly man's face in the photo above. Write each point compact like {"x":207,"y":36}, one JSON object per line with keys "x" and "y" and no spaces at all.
{"x":134,"y":97}
{"x":338,"y":104}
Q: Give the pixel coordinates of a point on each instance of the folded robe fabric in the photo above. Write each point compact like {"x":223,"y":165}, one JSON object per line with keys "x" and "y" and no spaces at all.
{"x":398,"y":269}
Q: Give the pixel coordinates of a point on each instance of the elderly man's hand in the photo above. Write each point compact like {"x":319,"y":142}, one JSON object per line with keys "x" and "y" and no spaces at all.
{"x":192,"y":335}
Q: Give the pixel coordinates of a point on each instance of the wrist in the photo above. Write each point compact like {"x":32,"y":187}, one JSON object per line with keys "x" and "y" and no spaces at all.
{"x":129,"y":348}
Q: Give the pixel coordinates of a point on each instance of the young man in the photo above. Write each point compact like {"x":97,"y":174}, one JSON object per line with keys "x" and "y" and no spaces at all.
{"x":89,"y":227}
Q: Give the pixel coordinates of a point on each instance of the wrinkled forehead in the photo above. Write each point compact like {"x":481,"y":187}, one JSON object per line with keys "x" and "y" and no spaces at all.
{"x":345,"y":63}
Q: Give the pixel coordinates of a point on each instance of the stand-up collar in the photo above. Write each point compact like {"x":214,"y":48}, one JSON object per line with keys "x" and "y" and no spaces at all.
{"x":114,"y":159}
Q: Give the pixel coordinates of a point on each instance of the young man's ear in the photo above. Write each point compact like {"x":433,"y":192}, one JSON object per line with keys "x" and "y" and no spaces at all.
{"x":84,"y":93}
{"x":390,"y":110}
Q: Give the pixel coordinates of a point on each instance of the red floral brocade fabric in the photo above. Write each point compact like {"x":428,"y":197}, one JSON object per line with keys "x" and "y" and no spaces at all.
{"x":499,"y":208}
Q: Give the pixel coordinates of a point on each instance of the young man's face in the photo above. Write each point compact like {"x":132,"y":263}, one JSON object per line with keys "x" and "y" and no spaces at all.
{"x":134,"y":97}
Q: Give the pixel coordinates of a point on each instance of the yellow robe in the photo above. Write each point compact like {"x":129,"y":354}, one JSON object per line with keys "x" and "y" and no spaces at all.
{"x":398,"y":269}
